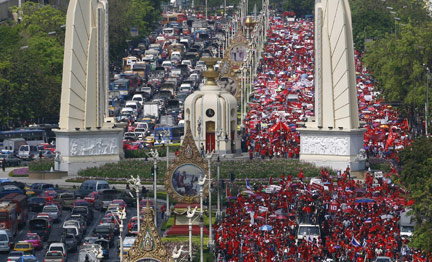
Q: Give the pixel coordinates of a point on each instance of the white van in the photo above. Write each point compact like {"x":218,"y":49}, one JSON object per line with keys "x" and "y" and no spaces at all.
{"x":4,"y":241}
{"x":308,"y":232}
{"x":139,"y":98}
{"x":28,"y":152}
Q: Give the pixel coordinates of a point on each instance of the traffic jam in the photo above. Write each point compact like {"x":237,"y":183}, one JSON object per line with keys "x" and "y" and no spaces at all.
{"x":41,"y":222}
{"x":148,"y":90}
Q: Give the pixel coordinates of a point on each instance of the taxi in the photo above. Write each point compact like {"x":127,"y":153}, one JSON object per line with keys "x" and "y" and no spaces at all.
{"x":25,"y":247}
{"x":149,"y":141}
{"x":35,"y":240}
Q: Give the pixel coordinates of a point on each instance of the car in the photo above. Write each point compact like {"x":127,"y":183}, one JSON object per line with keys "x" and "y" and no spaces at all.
{"x":37,"y":188}
{"x":92,"y":197}
{"x":89,"y":186}
{"x":28,"y":258}
{"x":14,"y":256}
{"x":71,"y":242}
{"x":36,"y":204}
{"x":81,"y":202}
{"x":25,"y":247}
{"x":100,"y":241}
{"x":10,"y":159}
{"x":9,"y":189}
{"x":41,"y":226}
{"x":54,"y":256}
{"x":47,"y":154}
{"x":105,"y":231}
{"x":53,"y":211}
{"x":70,"y":229}
{"x":132,"y":222}
{"x":66,"y":200}
{"x":111,"y":220}
{"x":49,"y":195}
{"x":81,"y":220}
{"x":75,"y":223}
{"x":5,"y":243}
{"x":83,"y":211}
{"x":35,"y":239}
{"x":383,"y":259}
{"x":60,"y":247}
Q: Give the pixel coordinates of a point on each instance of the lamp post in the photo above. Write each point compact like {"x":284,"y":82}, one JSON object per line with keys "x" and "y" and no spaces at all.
{"x":209,"y":157}
{"x":135,"y":183}
{"x":177,"y":253}
{"x":190,"y":214}
{"x":199,"y":134}
{"x":154,"y":154}
{"x":122,"y":216}
{"x":201,"y":183}
{"x":165,"y":135}
{"x":427,"y":101}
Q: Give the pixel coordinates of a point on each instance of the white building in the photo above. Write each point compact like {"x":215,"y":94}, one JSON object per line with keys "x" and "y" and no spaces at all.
{"x":212,"y":113}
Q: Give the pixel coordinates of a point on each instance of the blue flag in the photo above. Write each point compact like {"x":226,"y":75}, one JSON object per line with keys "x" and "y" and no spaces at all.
{"x":354,"y":242}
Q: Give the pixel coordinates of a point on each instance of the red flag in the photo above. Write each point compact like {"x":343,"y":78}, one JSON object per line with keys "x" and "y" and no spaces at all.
{"x":271,"y":180}
{"x":228,"y":193}
{"x":390,"y":139}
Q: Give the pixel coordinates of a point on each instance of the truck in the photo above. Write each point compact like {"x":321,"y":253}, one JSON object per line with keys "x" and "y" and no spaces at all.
{"x":12,"y":145}
{"x":151,"y":110}
{"x":407,"y":224}
{"x":8,"y":218}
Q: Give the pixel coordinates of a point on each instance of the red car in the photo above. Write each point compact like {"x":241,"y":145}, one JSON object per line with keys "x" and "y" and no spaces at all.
{"x":35,"y":239}
{"x":132,"y":222}
{"x":49,"y":195}
{"x":92,"y":197}
{"x":119,"y":202}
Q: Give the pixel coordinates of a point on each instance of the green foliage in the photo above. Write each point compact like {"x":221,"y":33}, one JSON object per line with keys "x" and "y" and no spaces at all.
{"x":44,"y":164}
{"x":241,"y":168}
{"x":31,"y":57}
{"x":300,"y":7}
{"x":416,"y":177}
{"x":125,"y":14}
{"x":371,"y":19}
{"x":397,"y":64}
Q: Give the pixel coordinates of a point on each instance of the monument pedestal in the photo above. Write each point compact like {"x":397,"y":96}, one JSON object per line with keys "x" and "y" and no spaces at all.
{"x":82,"y":149}
{"x":335,"y":149}
{"x":181,"y":222}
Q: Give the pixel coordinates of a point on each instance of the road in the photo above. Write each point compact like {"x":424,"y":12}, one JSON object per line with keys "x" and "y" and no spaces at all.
{"x":56,"y":233}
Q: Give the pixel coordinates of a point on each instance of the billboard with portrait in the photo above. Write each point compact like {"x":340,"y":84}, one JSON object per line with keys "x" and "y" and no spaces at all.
{"x":185,"y":179}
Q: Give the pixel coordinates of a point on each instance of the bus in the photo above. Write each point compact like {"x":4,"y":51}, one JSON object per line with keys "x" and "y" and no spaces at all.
{"x":124,"y":88}
{"x":33,"y":137}
{"x":21,"y":203}
{"x":174,"y":17}
{"x":174,"y":134}
{"x":8,"y":218}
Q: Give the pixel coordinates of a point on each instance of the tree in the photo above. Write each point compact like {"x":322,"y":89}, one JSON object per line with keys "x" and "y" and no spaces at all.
{"x":372,"y":19}
{"x":300,"y":7}
{"x":397,"y":62}
{"x":416,"y":176}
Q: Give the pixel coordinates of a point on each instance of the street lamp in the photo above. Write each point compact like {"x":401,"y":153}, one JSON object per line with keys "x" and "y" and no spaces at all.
{"x":177,"y":253}
{"x":122,"y":216}
{"x":154,"y":154}
{"x":209,"y":157}
{"x":135,"y":183}
{"x":190,"y":214}
{"x":201,"y":183}
{"x":165,"y":134}
{"x":199,"y":134}
{"x":427,"y":101}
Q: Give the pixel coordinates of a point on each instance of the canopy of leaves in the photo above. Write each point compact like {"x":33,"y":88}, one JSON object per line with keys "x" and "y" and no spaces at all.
{"x":417,"y":178}
{"x":397,"y":62}
{"x":300,"y":7}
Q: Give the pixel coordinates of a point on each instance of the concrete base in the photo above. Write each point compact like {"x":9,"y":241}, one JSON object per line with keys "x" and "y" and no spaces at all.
{"x":335,"y":149}
{"x":82,"y":149}
{"x":43,"y":175}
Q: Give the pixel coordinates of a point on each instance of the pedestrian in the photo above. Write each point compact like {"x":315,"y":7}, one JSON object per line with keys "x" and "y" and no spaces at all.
{"x":202,"y":150}
{"x":3,"y":164}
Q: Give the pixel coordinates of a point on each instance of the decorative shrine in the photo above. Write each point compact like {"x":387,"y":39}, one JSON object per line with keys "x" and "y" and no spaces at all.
{"x":148,"y":246}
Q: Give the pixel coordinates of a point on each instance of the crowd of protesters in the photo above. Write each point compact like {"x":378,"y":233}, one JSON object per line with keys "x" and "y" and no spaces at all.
{"x":284,"y":96}
{"x":358,"y":221}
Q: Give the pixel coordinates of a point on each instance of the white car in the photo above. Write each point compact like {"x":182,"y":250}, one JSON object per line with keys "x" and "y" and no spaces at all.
{"x":53,"y":211}
{"x":58,"y":247}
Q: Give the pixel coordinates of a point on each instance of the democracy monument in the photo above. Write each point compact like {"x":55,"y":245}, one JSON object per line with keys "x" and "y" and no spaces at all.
{"x":87,"y":137}
{"x":334,"y":138}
